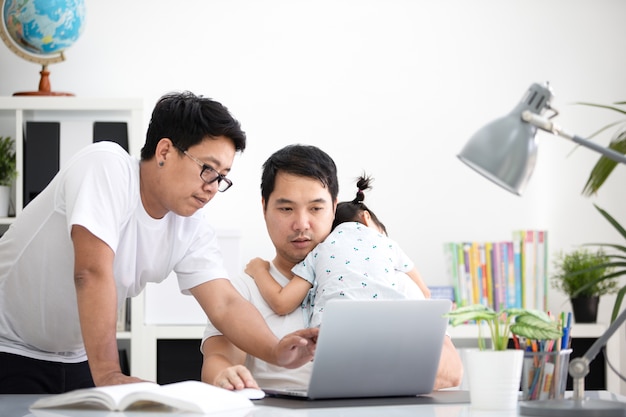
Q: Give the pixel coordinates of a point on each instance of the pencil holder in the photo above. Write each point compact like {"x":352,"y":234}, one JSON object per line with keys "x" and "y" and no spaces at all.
{"x":544,"y":375}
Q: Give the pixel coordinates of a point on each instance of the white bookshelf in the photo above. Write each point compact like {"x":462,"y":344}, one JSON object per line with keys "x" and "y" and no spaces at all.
{"x":76,"y":116}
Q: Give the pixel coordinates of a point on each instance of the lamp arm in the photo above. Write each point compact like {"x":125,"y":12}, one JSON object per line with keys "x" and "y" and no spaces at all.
{"x":579,"y":367}
{"x":545,"y":124}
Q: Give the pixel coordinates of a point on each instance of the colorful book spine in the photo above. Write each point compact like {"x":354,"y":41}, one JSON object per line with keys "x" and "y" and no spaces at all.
{"x":452,"y":269}
{"x":499,"y":301}
{"x":488,"y":271}
{"x":463,"y":288}
{"x":502,"y":274}
{"x":541,"y":285}
{"x":481,"y":270}
{"x":517,"y":267}
{"x":528,"y":270}
{"x":468,"y":274}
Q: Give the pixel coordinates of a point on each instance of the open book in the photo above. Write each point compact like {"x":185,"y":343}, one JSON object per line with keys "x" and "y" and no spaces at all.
{"x":192,"y":396}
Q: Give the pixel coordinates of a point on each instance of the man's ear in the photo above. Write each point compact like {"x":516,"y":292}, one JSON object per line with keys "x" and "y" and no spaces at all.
{"x":164,"y":149}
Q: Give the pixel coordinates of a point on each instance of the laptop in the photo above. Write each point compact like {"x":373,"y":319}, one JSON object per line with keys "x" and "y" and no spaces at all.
{"x":375,"y":348}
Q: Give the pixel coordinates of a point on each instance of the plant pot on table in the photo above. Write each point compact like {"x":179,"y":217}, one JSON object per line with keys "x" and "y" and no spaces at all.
{"x":585,"y":309}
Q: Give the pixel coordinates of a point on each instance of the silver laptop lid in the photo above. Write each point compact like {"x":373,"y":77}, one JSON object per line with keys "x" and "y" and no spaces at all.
{"x":378,"y":348}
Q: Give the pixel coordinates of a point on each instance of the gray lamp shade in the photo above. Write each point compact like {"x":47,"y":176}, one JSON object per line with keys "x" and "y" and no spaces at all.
{"x":505,"y":150}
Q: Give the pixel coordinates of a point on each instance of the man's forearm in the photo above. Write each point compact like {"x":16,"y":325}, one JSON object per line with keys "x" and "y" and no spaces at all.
{"x":212,"y":366}
{"x":218,"y":355}
{"x":450,"y":372}
{"x":97,"y":303}
{"x":237,"y":319}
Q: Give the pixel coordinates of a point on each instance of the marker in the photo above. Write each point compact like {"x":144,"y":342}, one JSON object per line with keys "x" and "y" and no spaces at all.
{"x":566,"y":332}
{"x":569,"y":329}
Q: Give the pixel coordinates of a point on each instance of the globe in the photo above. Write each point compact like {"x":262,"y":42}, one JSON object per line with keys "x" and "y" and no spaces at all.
{"x":40,"y":31}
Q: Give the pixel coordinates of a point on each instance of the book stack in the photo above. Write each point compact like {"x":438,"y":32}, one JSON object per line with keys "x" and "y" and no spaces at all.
{"x":501,"y":274}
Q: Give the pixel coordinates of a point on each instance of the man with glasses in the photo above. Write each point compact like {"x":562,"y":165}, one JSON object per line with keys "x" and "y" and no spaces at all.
{"x":105,"y":226}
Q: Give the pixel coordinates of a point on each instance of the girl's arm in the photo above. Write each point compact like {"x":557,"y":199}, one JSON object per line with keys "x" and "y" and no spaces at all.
{"x":283,"y":300}
{"x":417,"y":278}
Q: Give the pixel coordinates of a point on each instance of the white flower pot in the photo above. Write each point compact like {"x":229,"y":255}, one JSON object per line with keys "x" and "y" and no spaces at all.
{"x":494,"y":378}
{"x":5,"y":199}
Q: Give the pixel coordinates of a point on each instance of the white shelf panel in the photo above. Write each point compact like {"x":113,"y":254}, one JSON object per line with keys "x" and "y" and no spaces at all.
{"x":470,"y":331}
{"x":124,"y":335}
{"x":82,"y":104}
{"x":179,"y":332}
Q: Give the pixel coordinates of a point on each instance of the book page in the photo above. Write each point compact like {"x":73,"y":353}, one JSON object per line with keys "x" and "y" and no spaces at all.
{"x":108,"y":397}
{"x":194,"y":396}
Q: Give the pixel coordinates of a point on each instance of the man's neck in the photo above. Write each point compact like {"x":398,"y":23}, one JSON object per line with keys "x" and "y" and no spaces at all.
{"x":284,"y":267}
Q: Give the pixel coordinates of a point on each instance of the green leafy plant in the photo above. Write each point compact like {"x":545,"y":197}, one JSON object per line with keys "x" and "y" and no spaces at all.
{"x":574,"y":270}
{"x":598,"y":176}
{"x":615,"y":265}
{"x":8,"y":170}
{"x":605,"y":166}
{"x":530,"y":324}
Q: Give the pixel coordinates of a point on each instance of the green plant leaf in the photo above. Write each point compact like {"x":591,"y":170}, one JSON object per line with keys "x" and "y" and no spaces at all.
{"x":599,"y":174}
{"x":604,"y":106}
{"x":532,"y":327}
{"x":617,"y":261}
{"x":8,"y":170}
{"x":522,"y":313}
{"x":584,"y":273}
{"x":618,"y":303}
{"x":611,"y":220}
{"x":608,"y":245}
{"x":526,"y":323}
{"x":478,"y":316}
{"x":604,"y":167}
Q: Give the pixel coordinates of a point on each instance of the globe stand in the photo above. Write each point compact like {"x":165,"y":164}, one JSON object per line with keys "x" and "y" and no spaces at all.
{"x":44,"y":86}
{"x":12,"y":23}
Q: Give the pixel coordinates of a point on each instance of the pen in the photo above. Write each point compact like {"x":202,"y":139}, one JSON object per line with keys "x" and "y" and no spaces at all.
{"x":569,"y":329}
{"x":516,"y":342}
{"x":566,"y":332}
{"x":533,"y":345}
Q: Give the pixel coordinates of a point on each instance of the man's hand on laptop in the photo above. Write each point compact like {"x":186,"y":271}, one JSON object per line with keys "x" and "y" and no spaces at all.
{"x":297,"y":348}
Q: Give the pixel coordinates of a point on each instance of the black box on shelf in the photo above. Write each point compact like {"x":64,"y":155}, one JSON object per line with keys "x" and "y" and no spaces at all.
{"x":111,"y":131}
{"x":41,"y":156}
{"x":178,"y":360}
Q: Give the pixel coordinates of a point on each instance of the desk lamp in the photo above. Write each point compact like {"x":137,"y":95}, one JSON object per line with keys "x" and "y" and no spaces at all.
{"x":505,"y":152}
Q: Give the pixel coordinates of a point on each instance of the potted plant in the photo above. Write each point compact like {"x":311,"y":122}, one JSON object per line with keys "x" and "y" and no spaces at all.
{"x":8,"y":173}
{"x":599,"y":174}
{"x":577,"y":274}
{"x":494,"y":374}
{"x":525,"y":323}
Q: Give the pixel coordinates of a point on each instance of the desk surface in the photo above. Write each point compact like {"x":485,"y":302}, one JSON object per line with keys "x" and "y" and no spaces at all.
{"x":439,"y":404}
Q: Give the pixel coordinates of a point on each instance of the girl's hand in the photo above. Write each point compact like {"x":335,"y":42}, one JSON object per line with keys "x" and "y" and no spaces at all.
{"x":255,"y":265}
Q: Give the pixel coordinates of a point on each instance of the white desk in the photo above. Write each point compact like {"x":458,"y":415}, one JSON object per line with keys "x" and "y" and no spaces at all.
{"x":17,"y":406}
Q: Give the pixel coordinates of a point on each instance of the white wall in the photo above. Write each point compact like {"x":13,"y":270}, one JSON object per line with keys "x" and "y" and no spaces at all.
{"x":387,"y":86}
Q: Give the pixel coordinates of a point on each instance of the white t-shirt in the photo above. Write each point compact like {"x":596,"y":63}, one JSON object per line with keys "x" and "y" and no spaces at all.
{"x":355,"y":262}
{"x":268,"y":375}
{"x":98,"y":189}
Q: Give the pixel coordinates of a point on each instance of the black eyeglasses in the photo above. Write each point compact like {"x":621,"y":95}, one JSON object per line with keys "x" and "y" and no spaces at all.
{"x":209,"y":175}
